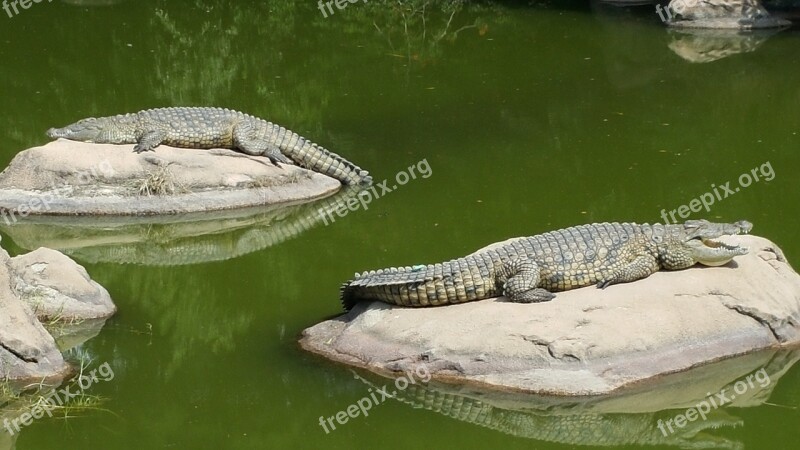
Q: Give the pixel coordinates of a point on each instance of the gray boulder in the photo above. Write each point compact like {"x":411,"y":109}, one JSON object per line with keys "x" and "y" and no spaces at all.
{"x":721,"y":14}
{"x":27,"y":350}
{"x":57,"y":288}
{"x":42,"y":288}
{"x":586,"y":341}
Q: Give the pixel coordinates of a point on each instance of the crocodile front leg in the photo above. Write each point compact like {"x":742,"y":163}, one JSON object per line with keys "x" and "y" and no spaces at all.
{"x":245,"y":139}
{"x":640,"y":267}
{"x":521,"y":285}
{"x":149,"y":140}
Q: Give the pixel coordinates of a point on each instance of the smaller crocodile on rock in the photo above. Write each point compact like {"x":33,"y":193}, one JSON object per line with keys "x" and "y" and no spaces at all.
{"x":208,"y":127}
{"x":528,"y":270}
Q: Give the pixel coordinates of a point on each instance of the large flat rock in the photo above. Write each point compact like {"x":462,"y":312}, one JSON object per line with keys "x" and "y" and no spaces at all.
{"x":586,"y":341}
{"x":67,"y":177}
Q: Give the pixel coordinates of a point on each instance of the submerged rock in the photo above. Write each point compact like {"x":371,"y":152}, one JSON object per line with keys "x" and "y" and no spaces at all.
{"x":586,"y":341}
{"x":76,"y":178}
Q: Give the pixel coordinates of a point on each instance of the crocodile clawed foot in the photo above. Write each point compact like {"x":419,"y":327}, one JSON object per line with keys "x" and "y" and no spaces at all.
{"x":602,"y":284}
{"x":141,"y":148}
{"x":536,"y":295}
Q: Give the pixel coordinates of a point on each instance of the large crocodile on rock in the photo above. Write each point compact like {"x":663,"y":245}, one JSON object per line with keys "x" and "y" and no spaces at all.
{"x":528,"y":270}
{"x":206,"y":127}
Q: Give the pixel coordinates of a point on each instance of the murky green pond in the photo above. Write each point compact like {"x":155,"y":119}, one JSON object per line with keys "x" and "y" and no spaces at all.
{"x":531,"y":117}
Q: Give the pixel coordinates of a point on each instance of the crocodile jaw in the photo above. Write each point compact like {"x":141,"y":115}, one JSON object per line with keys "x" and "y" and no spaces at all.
{"x":713,"y":253}
{"x":103,"y":130}
{"x":84,"y":131}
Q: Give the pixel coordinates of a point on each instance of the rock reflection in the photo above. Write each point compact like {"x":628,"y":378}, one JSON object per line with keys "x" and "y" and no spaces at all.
{"x":703,"y":46}
{"x":630,"y":417}
{"x":175,"y":240}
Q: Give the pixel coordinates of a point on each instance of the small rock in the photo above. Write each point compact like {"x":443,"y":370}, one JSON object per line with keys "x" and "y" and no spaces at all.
{"x":55,"y":286}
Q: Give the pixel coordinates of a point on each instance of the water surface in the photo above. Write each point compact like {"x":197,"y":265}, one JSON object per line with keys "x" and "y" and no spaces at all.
{"x":531,"y":117}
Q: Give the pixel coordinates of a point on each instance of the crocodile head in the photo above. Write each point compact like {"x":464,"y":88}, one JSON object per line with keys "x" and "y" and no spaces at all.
{"x":106,"y":130}
{"x":694,"y":243}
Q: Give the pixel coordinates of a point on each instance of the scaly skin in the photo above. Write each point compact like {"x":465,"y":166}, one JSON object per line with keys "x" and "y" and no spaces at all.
{"x":528,"y":270}
{"x":205,"y":128}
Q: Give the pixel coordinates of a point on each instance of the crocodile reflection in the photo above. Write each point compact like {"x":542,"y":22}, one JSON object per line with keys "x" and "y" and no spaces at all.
{"x":629,"y":417}
{"x":175,"y":240}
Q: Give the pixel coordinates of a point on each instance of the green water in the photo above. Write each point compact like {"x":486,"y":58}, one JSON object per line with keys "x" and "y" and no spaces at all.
{"x":531,"y":117}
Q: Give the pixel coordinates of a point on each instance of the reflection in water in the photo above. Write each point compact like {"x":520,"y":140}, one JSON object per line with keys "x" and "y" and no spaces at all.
{"x":631,"y":417}
{"x":174,"y":240}
{"x":189,"y":311}
{"x":623,"y":24}
{"x":207,"y":67}
{"x":414,"y":29}
{"x":702,"y":46}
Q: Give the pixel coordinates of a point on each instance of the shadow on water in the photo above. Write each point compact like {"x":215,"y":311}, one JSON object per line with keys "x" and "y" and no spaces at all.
{"x":634,"y":416}
{"x":176,"y":240}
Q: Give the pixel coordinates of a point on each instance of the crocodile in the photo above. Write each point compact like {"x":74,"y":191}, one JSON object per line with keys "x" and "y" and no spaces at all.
{"x":530,"y":269}
{"x":209,"y":127}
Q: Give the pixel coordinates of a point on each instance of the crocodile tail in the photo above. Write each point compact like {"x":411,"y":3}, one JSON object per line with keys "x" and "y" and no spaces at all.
{"x":386,"y":285}
{"x":314,"y":157}
{"x":348,"y":295}
{"x":456,"y":281}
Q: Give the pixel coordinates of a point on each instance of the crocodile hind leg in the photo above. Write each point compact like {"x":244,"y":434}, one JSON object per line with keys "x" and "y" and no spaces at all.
{"x":245,"y":139}
{"x":149,"y":140}
{"x":523,"y":277}
{"x":640,"y":267}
